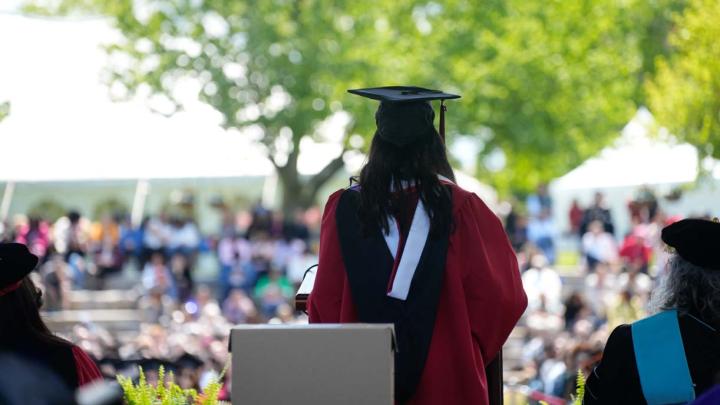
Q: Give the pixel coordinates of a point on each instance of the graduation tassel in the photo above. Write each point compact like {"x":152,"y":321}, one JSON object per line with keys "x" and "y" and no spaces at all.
{"x":443,"y":108}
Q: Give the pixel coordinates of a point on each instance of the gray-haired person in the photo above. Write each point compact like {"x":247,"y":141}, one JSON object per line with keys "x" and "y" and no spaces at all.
{"x":674,"y":355}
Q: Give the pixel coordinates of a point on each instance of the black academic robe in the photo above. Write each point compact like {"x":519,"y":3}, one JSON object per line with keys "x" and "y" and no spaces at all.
{"x":616,"y":381}
{"x":56,"y":357}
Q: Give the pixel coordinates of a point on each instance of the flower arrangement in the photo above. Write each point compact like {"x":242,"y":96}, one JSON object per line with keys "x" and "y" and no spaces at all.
{"x":167,"y":392}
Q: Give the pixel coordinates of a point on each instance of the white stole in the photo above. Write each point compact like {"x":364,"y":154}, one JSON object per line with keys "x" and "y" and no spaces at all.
{"x":414,"y":246}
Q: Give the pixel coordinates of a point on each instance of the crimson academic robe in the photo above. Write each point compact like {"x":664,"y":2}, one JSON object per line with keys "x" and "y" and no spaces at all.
{"x":480,"y":300}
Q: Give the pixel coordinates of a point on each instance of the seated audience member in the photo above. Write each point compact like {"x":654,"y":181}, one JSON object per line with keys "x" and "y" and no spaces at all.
{"x":575,"y":308}
{"x":674,"y":355}
{"x":601,"y":288}
{"x":541,"y":232}
{"x":238,"y":307}
{"x":598,"y":211}
{"x":543,"y":321}
{"x":598,"y":246}
{"x":105,"y":237}
{"x":182,"y":278}
{"x":189,"y":368}
{"x":635,"y":251}
{"x":272,"y":291}
{"x":626,"y":307}
{"x":539,"y":280}
{"x":56,"y":279}
{"x":156,"y":306}
{"x":23,"y":332}
{"x":157,"y":276}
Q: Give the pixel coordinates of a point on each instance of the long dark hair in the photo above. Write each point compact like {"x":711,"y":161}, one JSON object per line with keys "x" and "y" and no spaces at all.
{"x":20,"y":319}
{"x":390,"y":166}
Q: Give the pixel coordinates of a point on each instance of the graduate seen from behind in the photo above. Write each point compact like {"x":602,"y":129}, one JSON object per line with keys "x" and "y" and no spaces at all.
{"x":406,"y":245}
{"x":674,"y":355}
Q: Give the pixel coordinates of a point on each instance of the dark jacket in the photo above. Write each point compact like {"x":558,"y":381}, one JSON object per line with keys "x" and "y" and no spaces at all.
{"x":56,"y":357}
{"x":615,"y":380}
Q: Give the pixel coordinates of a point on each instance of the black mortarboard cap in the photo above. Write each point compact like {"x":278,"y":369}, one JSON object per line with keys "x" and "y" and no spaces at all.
{"x":695,"y":240}
{"x":405,"y":113}
{"x":188,"y":361}
{"x":154,"y":364}
{"x":16,"y":262}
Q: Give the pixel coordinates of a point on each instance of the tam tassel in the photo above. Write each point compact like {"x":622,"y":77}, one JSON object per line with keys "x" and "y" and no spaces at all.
{"x":443,"y":108}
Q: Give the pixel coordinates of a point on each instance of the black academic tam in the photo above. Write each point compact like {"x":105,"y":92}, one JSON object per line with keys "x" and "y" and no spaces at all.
{"x":16,"y":262}
{"x":405,"y":114}
{"x":695,"y":240}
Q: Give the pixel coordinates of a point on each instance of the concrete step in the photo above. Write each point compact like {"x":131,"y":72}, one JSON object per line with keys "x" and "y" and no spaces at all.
{"x":125,"y":336}
{"x":112,"y":319}
{"x":103,"y":299}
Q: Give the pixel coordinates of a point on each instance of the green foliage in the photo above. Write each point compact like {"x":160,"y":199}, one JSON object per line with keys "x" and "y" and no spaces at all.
{"x":579,"y":388}
{"x":547,"y":83}
{"x":4,"y":110}
{"x":109,"y":207}
{"x":577,"y":399}
{"x":47,"y":209}
{"x":553,"y":81}
{"x":684,"y":95}
{"x":167,"y":392}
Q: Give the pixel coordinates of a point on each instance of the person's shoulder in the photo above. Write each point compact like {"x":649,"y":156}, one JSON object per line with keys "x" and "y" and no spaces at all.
{"x":336,"y":195}
{"x":465,"y":201}
{"x":622,"y":332}
{"x":620,"y":340}
{"x":334,"y":199}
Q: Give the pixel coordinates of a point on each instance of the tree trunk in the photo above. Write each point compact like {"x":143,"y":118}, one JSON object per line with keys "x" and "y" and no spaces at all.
{"x":298,"y":193}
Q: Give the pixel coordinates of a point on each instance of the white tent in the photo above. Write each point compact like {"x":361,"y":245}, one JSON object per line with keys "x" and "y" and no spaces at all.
{"x":636,"y":159}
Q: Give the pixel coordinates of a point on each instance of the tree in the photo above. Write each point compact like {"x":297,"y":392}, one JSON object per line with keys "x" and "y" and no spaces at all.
{"x":684,"y":95}
{"x":4,"y":110}
{"x":279,"y":68}
{"x":546,"y":84}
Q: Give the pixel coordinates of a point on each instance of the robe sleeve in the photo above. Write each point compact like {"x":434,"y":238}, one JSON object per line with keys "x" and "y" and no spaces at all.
{"x":325,"y":300}
{"x":491,"y":279}
{"x":87,"y":371}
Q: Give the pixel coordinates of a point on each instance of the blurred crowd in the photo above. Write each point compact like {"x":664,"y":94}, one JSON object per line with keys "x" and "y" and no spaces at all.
{"x":258,"y":257}
{"x":573,"y":308}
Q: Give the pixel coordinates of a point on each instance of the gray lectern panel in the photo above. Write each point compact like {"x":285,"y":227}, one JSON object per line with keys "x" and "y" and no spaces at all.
{"x":349,"y":364}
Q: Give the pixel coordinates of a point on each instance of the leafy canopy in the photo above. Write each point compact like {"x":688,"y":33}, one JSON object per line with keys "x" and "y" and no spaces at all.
{"x":544,"y":83}
{"x":685,"y":93}
{"x":4,"y":110}
{"x":553,"y":81}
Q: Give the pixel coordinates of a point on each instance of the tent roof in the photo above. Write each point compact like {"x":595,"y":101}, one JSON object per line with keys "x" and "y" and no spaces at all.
{"x":635,"y":159}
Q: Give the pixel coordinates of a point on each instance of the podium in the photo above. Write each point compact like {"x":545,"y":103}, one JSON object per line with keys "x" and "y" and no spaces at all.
{"x":349,"y":364}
